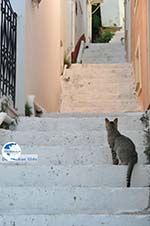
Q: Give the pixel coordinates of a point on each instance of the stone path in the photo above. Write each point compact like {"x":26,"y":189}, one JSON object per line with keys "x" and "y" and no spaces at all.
{"x":103,"y":83}
{"x":99,"y":88}
{"x":107,"y":53}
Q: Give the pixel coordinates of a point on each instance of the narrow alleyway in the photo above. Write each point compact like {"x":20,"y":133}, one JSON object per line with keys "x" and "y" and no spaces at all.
{"x":64,"y":174}
{"x":102,"y":83}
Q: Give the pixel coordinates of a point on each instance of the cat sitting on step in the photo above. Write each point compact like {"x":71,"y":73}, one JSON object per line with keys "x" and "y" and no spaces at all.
{"x":122,"y":148}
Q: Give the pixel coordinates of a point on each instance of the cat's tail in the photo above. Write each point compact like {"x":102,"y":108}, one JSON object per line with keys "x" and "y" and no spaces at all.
{"x":130,"y":169}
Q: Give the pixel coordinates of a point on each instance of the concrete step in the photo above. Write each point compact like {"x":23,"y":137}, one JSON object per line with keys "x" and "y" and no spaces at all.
{"x":101,"y":52}
{"x":118,"y":70}
{"x":104,"y":46}
{"x":75,"y":155}
{"x":120,"y":100}
{"x":104,"y":54}
{"x":75,"y":220}
{"x":76,"y":104}
{"x":66,"y":137}
{"x":88,"y":115}
{"x":88,"y":101}
{"x":93,"y":80}
{"x":102,"y":59}
{"x":101,"y":109}
{"x":71,"y":176}
{"x":96,"y":88}
{"x":70,"y":200}
{"x":71,"y":155}
{"x":125,"y":66}
{"x":76,"y":122}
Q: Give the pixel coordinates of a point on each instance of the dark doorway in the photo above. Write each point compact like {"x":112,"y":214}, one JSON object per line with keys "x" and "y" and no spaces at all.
{"x":96,"y":21}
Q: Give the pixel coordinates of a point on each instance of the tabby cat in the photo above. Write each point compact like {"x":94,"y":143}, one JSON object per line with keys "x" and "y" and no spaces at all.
{"x":122,"y":148}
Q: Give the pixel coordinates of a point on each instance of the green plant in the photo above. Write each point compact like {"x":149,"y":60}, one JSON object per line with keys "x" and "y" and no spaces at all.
{"x":105,"y":37}
{"x":28,"y":110}
{"x":147,"y":153}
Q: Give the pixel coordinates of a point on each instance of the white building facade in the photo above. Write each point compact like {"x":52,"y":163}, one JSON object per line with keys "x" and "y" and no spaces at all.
{"x":78,"y":23}
{"x":112,"y":12}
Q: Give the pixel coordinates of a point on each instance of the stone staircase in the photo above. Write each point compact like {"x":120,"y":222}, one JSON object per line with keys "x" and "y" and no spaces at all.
{"x":102,"y":83}
{"x":74,"y":182}
{"x":105,"y":53}
{"x":99,"y":88}
{"x":108,"y":53}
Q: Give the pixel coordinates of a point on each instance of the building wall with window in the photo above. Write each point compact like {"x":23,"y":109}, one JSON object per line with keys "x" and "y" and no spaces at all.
{"x":139,"y":49}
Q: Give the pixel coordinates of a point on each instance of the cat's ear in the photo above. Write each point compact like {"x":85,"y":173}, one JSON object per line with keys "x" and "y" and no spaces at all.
{"x":106,"y":120}
{"x":116,"y":122}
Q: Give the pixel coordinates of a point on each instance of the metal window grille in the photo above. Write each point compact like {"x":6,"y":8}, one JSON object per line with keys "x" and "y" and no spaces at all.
{"x":8,"y":38}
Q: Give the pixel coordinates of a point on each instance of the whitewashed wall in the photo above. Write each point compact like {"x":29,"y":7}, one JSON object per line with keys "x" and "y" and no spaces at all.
{"x":128,"y":28}
{"x":87,"y":19}
{"x":112,"y":12}
{"x":79,"y":24}
{"x":79,"y":21}
{"x":70,"y":24}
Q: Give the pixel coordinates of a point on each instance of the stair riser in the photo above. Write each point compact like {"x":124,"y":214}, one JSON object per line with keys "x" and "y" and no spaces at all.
{"x":84,"y":176}
{"x":66,"y":138}
{"x":26,"y":200}
{"x":75,"y":155}
{"x":74,"y":220}
{"x":69,"y":124}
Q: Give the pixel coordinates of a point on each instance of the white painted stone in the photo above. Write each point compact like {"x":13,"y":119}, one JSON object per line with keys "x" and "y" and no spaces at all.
{"x":68,"y":200}
{"x":66,"y":137}
{"x":69,"y":155}
{"x":71,"y":176}
{"x":75,"y":155}
{"x":76,"y":122}
{"x":75,"y":220}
